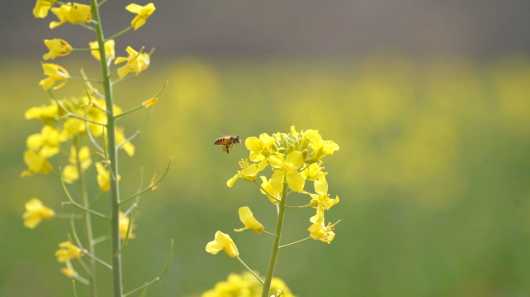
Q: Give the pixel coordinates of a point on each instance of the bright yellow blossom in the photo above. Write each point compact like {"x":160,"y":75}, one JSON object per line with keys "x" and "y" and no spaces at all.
{"x":47,"y":142}
{"x":67,"y":252}
{"x":318,"y":231}
{"x":42,"y":7}
{"x":69,"y":272}
{"x":246,"y":285}
{"x":58,"y":48}
{"x":150,"y":102}
{"x":259,"y":148}
{"x":248,"y":219}
{"x":48,"y":114}
{"x":322,"y":197}
{"x":320,"y":147}
{"x":62,"y":13}
{"x":54,"y":73}
{"x":72,"y":13}
{"x":223,"y":242}
{"x":136,"y":62}
{"x":36,"y":164}
{"x":128,"y":147}
{"x":267,"y":185}
{"x":35,"y":213}
{"x":84,"y":157}
{"x":248,"y":171}
{"x":109,"y":49}
{"x":104,"y":177}
{"x":287,"y":170}
{"x":314,"y":172}
{"x":142,"y":14}
{"x":124,"y":224}
{"x":70,"y":174}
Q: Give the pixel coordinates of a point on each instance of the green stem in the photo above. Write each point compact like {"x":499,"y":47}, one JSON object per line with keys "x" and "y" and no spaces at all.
{"x":276,"y":245}
{"x":119,"y":33}
{"x":248,"y":268}
{"x":267,"y":192}
{"x":299,"y":207}
{"x":117,"y":277}
{"x":86,"y":218}
{"x":296,"y":242}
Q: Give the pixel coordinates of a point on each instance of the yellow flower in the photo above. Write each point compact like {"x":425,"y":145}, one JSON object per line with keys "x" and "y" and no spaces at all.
{"x":84,"y":157}
{"x":287,"y":170}
{"x":104,"y":177}
{"x":67,"y":252}
{"x":259,"y":148}
{"x":71,"y":13}
{"x":48,"y":114}
{"x":128,"y":147}
{"x":136,"y":62}
{"x":36,"y":164}
{"x":62,"y":13}
{"x":142,"y":14}
{"x":109,"y":49}
{"x":150,"y":102}
{"x":246,"y":285}
{"x":322,"y":197}
{"x":318,"y":231}
{"x":35,"y":213}
{"x":69,"y":272}
{"x":47,"y":142}
{"x":70,"y":174}
{"x":313,"y":172}
{"x":222,"y":241}
{"x":42,"y":7}
{"x":58,"y":48}
{"x":124,"y":224}
{"x":54,"y":73}
{"x":267,"y":185}
{"x":248,"y":219}
{"x":248,"y":171}
{"x":320,"y":147}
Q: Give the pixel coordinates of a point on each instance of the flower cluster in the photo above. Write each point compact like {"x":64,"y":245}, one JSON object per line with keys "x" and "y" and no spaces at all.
{"x":295,"y":159}
{"x":245,"y":285}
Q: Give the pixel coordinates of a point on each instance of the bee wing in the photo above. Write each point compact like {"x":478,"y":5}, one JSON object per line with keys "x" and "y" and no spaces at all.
{"x":224,"y":132}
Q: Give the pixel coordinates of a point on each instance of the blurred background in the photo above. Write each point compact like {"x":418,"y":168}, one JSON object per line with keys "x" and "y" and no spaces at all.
{"x":429,"y":101}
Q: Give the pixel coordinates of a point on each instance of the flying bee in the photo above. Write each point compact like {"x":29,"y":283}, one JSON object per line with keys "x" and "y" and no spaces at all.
{"x":227,"y":142}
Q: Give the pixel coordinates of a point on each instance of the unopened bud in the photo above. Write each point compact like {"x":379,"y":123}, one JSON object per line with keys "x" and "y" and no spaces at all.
{"x":150,"y":102}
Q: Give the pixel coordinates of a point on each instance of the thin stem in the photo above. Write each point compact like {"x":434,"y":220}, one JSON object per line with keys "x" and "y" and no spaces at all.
{"x":129,"y":111}
{"x":67,"y":216}
{"x":101,"y":3}
{"x":296,"y":242}
{"x":86,"y":26}
{"x":127,"y":232}
{"x":85,"y":79}
{"x":248,"y":268}
{"x":267,"y":192}
{"x":75,"y":204}
{"x":158,"y":278}
{"x":83,"y":74}
{"x":73,"y":285}
{"x":72,"y":224}
{"x":100,"y":239}
{"x":69,"y":114}
{"x":111,"y":149}
{"x":138,"y":131}
{"x":276,"y":244}
{"x":119,"y":33}
{"x":269,"y":233}
{"x":85,"y":266}
{"x":299,"y":207}
{"x":86,"y":216}
{"x":84,"y":49}
{"x":97,"y":259}
{"x":96,"y":199}
{"x":151,"y":186}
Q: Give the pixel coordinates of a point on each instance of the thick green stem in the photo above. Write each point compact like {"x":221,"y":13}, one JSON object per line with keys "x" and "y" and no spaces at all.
{"x":276,"y":245}
{"x":86,"y":219}
{"x":113,"y":157}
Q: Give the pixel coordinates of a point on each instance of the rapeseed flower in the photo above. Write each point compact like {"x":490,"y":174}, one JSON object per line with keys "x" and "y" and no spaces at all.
{"x":47,"y":143}
{"x":246,"y":285}
{"x":248,"y":219}
{"x":136,"y":62}
{"x":54,"y":73}
{"x":260,"y":148}
{"x":322,"y":197}
{"x":142,"y":14}
{"x":127,"y":146}
{"x":223,"y":242}
{"x":104,"y":177}
{"x":287,"y":171}
{"x":58,"y":48}
{"x":109,"y":49}
{"x":42,"y":7}
{"x":267,"y":185}
{"x":72,"y":13}
{"x":35,"y":213}
{"x":36,"y":164}
{"x":248,"y":171}
{"x":150,"y":102}
{"x":69,"y":272}
{"x":67,"y":252}
{"x":124,"y":224}
{"x":318,"y":231}
{"x":47,"y":113}
{"x":313,"y":172}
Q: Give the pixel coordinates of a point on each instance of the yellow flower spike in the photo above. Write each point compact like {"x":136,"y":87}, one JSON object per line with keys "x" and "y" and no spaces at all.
{"x":69,"y":272}
{"x":35,"y":213}
{"x":58,"y":48}
{"x":321,"y":147}
{"x":248,"y":219}
{"x":287,"y":171}
{"x":67,"y":252}
{"x":62,"y":13}
{"x":223,"y":242}
{"x":124,"y":224}
{"x":248,"y":172}
{"x":322,"y":197}
{"x":103,"y":177}
{"x":150,"y":102}
{"x":266,"y":184}
{"x":70,"y":174}
{"x":136,"y":62}
{"x":259,"y":148}
{"x":128,"y":147}
{"x":48,"y":114}
{"x":36,"y":164}
{"x":80,"y":13}
{"x":47,"y":142}
{"x":109,"y":49}
{"x":54,"y":73}
{"x":142,"y":14}
{"x":42,"y":7}
{"x":318,"y":231}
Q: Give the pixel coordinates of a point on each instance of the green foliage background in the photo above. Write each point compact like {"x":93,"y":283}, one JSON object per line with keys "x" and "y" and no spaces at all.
{"x":433,"y":175}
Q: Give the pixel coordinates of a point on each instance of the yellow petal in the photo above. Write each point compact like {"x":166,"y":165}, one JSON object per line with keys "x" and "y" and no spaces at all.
{"x":295,"y":181}
{"x":248,"y":219}
{"x":277,"y":180}
{"x":295,"y":158}
{"x":321,"y":186}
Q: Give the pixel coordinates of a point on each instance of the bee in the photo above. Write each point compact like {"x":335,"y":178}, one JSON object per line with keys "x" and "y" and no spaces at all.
{"x":227,"y":142}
